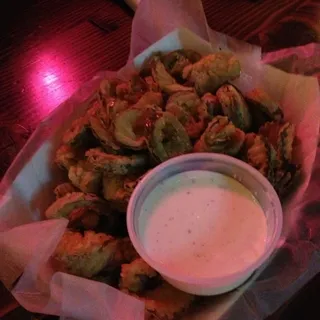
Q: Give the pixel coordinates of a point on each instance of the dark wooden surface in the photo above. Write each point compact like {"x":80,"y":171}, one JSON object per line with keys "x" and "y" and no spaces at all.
{"x":49,"y":47}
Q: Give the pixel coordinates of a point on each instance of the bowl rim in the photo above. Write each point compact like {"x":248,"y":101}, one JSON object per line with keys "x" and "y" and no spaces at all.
{"x":220,"y":281}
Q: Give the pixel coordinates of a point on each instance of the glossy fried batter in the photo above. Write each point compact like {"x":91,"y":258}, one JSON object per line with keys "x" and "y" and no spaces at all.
{"x":137,"y":276}
{"x":84,"y":255}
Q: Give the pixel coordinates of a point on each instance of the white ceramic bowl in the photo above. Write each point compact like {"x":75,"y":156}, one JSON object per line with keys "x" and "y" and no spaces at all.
{"x":239,"y":170}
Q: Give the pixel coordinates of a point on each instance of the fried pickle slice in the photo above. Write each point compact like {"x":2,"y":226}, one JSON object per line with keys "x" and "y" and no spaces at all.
{"x":169,"y":138}
{"x":138,"y":276}
{"x":260,"y":100}
{"x":212,"y":71}
{"x":165,"y":81}
{"x":100,"y":124}
{"x":285,"y":143}
{"x":132,"y":127}
{"x":81,"y":209}
{"x":234,"y":106}
{"x":166,"y":303}
{"x":175,"y":61}
{"x":126,"y":253}
{"x":286,"y":178}
{"x":66,"y":157}
{"x":84,"y":177}
{"x":116,"y":164}
{"x":281,"y":135}
{"x":262,"y":156}
{"x":118,"y":189}
{"x":79,"y":134}
{"x":190,"y":111}
{"x":213,"y":104}
{"x":64,"y":206}
{"x":84,"y":255}
{"x":221,"y":136}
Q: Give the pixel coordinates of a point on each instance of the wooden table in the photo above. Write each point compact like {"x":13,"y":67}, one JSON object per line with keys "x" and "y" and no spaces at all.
{"x":49,"y":47}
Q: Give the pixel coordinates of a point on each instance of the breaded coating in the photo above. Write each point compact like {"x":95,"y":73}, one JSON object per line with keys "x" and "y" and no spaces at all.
{"x":81,"y":209}
{"x":260,"y":100}
{"x":79,"y":133}
{"x":63,"y":206}
{"x":169,"y":138}
{"x":65,"y":157}
{"x":262,"y":156}
{"x":234,"y":106}
{"x":137,"y":276}
{"x":63,"y":189}
{"x":126,"y":253}
{"x":83,"y":176}
{"x":115,"y":164}
{"x":166,"y":303}
{"x":221,"y":136}
{"x":212,"y":71}
{"x":85,"y":255}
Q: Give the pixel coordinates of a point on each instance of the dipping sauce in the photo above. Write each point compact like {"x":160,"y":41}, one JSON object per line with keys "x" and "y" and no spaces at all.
{"x":203,"y":224}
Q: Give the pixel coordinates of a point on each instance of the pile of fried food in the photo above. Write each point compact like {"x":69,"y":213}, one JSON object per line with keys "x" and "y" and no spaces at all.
{"x":179,"y":102}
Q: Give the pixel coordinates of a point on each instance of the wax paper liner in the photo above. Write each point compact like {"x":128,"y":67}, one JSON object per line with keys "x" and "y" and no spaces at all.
{"x":26,"y":245}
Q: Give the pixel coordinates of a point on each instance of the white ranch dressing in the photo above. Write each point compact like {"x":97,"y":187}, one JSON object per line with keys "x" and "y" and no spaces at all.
{"x":203,"y":224}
